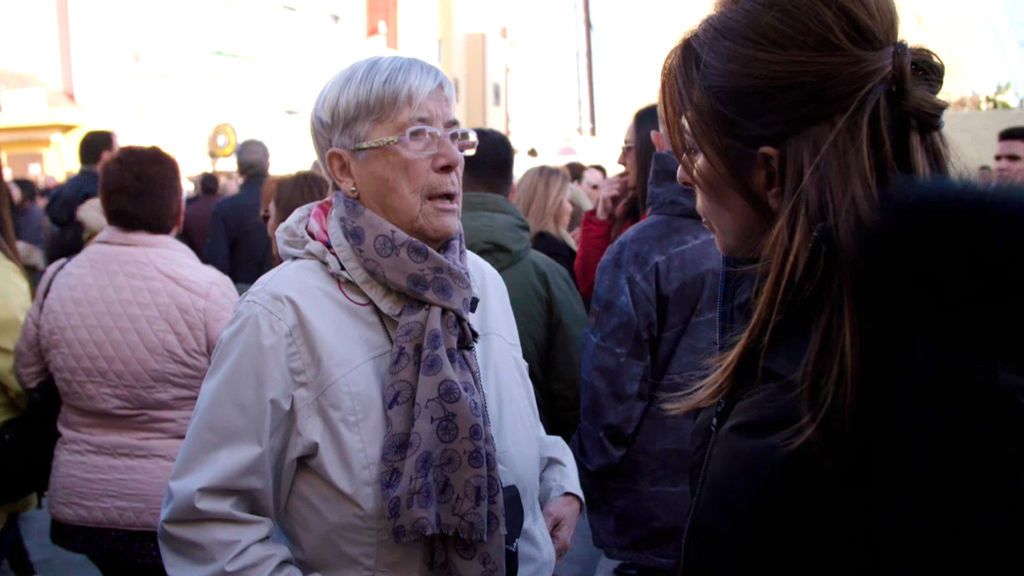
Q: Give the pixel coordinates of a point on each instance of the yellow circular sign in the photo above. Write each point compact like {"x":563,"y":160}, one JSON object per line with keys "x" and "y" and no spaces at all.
{"x":223,"y":141}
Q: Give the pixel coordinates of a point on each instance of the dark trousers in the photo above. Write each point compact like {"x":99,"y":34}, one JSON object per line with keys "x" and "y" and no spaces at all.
{"x":630,"y":569}
{"x":115,"y":552}
{"x":111,"y":566}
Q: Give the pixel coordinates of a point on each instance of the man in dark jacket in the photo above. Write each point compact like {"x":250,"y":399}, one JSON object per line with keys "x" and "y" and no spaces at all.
{"x":548,"y":309}
{"x":198,"y":212}
{"x":66,"y":236}
{"x":652,"y":332}
{"x":238,"y":244}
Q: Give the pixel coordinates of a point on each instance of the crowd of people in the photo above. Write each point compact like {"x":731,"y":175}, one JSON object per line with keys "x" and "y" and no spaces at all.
{"x":775,"y":341}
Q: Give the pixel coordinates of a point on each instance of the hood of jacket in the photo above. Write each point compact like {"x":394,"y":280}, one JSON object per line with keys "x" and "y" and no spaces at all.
{"x":664,"y":193}
{"x":293,"y":242}
{"x":495,"y":229}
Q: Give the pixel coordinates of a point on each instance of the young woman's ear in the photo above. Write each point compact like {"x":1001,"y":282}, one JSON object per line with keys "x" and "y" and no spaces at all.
{"x":767,"y":177}
{"x":660,"y":141}
{"x":339,"y":169}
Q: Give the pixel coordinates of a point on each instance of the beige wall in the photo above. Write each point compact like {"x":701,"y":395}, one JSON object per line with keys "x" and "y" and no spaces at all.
{"x":972,"y":136}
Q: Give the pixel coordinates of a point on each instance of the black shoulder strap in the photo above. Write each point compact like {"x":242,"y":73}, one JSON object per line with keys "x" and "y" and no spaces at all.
{"x":46,"y":290}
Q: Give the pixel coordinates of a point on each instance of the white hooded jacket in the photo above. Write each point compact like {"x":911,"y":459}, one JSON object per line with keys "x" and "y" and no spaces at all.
{"x":279,"y":471}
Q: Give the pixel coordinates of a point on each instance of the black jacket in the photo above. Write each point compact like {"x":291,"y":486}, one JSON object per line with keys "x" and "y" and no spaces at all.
{"x":237,"y":243}
{"x":926,"y":474}
{"x":556,"y":249}
{"x":66,"y":235}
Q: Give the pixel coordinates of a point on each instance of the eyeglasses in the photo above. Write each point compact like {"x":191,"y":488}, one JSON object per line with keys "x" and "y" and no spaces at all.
{"x":426,"y":140}
{"x":627,"y":148}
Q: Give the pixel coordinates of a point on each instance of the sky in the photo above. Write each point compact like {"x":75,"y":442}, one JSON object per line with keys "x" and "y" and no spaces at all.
{"x":981,"y":41}
{"x":259,"y":66}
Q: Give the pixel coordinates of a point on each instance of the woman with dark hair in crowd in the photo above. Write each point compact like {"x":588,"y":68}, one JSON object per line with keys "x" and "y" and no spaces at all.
{"x":127,"y":332}
{"x":841,"y":433}
{"x":622,"y":201}
{"x":291,"y":192}
{"x":542,"y":195}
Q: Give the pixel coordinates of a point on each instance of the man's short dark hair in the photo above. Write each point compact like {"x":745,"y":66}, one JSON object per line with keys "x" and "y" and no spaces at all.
{"x":599,"y":168}
{"x":93,"y":145}
{"x":1012,"y":133}
{"x":490,"y":168}
{"x":576,"y":170}
{"x":253,"y":159}
{"x":140,"y":189}
{"x":208,"y":184}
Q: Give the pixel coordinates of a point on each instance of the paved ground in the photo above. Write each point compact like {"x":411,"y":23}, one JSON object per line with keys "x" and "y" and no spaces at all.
{"x":49,"y":560}
{"x":583,"y":559}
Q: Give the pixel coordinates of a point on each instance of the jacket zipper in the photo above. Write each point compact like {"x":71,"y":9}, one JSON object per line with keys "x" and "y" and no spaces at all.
{"x":700,"y":481}
{"x":719,"y":408}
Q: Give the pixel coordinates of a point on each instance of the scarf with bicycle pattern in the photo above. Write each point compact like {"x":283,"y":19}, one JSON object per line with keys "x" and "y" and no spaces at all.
{"x":439,"y":468}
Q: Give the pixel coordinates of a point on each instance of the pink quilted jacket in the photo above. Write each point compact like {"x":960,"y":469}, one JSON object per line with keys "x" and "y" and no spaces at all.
{"x":127,"y":330}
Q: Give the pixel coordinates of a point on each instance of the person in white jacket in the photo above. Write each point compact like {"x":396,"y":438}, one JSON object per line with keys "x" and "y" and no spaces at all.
{"x":368,"y":410}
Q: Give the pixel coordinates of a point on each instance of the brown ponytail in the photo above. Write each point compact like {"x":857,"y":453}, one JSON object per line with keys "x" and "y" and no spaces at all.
{"x":849,"y":108}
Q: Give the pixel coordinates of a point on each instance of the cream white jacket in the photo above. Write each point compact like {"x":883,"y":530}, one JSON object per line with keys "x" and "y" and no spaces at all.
{"x":279,"y":471}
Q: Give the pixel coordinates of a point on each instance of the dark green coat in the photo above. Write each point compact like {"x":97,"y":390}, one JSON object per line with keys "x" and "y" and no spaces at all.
{"x":548,"y":309}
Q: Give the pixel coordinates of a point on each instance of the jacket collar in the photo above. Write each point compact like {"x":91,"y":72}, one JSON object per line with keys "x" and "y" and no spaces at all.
{"x":115,"y":236}
{"x":784,"y":357}
{"x":488,"y":202}
{"x":252,"y":186}
{"x":86,"y":177}
{"x":495,"y":229}
{"x":735,"y":298}
{"x":665,"y":196}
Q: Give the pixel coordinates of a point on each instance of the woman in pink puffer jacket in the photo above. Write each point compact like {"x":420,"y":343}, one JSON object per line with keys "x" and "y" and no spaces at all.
{"x":127,"y":331}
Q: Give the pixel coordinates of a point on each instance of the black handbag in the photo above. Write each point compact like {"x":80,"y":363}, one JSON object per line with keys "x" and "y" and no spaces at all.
{"x":514,"y":517}
{"x":28,"y":439}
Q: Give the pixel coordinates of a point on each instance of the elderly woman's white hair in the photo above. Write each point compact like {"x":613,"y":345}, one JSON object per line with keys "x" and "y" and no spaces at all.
{"x":368,"y":92}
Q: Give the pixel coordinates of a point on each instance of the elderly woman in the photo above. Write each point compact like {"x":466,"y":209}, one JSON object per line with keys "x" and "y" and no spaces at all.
{"x":369,"y":399}
{"x":127,"y":332}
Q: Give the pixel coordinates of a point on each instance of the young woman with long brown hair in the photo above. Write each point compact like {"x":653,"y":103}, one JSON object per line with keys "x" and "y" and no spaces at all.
{"x":793,"y":120}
